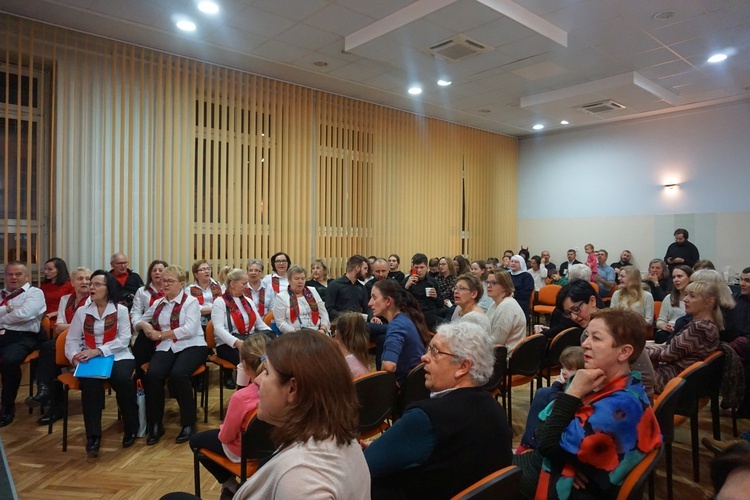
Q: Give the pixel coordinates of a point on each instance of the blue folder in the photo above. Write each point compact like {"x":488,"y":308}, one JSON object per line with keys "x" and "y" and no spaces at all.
{"x":98,"y":367}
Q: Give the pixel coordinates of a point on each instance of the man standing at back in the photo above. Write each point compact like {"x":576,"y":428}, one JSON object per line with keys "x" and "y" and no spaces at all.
{"x":571,"y":260}
{"x":424,"y":289}
{"x":605,"y":277}
{"x":128,"y":281}
{"x":681,"y":251}
{"x":545,"y":261}
{"x":347,"y":293}
{"x":22,"y":307}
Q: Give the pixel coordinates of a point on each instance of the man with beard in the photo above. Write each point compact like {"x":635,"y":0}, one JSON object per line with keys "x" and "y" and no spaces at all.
{"x":681,"y":251}
{"x":347,"y":293}
{"x":625,"y":260}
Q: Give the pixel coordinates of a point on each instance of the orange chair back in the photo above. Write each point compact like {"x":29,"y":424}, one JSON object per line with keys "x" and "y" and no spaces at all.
{"x":595,"y":285}
{"x":268,"y":318}
{"x":657,"y":310}
{"x":634,"y":483}
{"x":60,"y":358}
{"x":548,"y":295}
{"x":47,"y":327}
{"x":210,"y":337}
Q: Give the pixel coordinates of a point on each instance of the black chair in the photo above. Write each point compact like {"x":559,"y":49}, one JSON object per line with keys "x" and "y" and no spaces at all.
{"x":504,"y":483}
{"x":496,"y":383}
{"x":523,"y":367}
{"x":569,"y":337}
{"x":376,"y":393}
{"x":664,"y":410}
{"x":256,"y":446}
{"x":412,"y":390}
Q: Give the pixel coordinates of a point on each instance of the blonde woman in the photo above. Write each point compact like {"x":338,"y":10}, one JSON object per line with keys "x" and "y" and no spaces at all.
{"x":631,"y":296}
{"x":351,"y":336}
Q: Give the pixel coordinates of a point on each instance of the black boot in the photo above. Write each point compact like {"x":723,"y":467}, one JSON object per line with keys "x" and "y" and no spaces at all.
{"x":43,"y":394}
{"x":52,"y":415}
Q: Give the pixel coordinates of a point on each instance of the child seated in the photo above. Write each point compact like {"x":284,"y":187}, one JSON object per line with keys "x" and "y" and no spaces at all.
{"x":571,"y":360}
{"x":557,"y":279}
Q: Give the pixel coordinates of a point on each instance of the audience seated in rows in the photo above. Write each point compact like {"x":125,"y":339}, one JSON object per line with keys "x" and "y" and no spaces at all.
{"x":466,"y":296}
{"x":673,"y":305}
{"x":300,"y":306}
{"x":507,"y":319}
{"x":631,"y":296}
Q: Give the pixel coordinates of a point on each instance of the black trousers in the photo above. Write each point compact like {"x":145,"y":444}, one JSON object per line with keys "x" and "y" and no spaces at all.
{"x":229,"y":353}
{"x":210,"y":441}
{"x":47,"y":371}
{"x":92,"y":398}
{"x":177,"y":368}
{"x":143,"y":349}
{"x":14,"y":347}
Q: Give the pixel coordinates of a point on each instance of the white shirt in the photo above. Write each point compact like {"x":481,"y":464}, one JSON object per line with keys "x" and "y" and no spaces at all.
{"x":475,"y":317}
{"x":223,"y":331}
{"x":267,"y":283}
{"x":28,"y":310}
{"x":208,"y":295}
{"x":64,"y":303}
{"x":282,"y":313}
{"x":75,"y":343}
{"x":189,"y":333}
{"x":141,"y":303}
{"x":255,"y":297}
{"x":507,"y":323}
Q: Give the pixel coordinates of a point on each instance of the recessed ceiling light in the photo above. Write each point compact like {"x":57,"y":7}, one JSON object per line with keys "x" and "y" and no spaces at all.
{"x":321,"y":64}
{"x":208,"y":7}
{"x":186,"y":25}
{"x":538,"y":126}
{"x":444,"y":83}
{"x":717,"y":58}
{"x":415,"y":90}
{"x":565,"y":122}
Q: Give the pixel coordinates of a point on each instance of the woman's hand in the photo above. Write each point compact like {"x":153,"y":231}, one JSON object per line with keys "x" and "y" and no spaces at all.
{"x":586,"y":381}
{"x":85,"y":355}
{"x":669,"y":327}
{"x":238,"y":344}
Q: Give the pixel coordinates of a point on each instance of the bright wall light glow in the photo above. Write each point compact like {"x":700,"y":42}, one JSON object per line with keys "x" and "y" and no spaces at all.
{"x":415,"y":90}
{"x":538,"y":126}
{"x":208,"y":7}
{"x":444,"y":83}
{"x":565,"y":122}
{"x":186,"y":25}
{"x":717,"y":58}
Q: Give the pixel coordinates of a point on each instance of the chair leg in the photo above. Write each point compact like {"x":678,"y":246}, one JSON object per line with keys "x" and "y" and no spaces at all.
{"x":196,"y":474}
{"x":651,"y":495}
{"x":66,"y":389}
{"x":716,"y":423}
{"x":510,"y":405}
{"x":221,"y":393}
{"x":734,"y":423}
{"x":32,"y":369}
{"x":670,"y":493}
{"x":204,"y":397}
{"x":694,"y":443}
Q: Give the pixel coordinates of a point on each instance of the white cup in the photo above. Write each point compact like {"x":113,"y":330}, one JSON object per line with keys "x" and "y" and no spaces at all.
{"x":242,"y":378}
{"x":650,"y":342}
{"x":428,"y":291}
{"x":538,"y":328}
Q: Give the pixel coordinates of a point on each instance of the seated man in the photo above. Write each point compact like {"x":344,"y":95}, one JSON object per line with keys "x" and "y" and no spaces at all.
{"x":21,"y":310}
{"x":605,"y":276}
{"x":424,"y":289}
{"x":443,"y":444}
{"x":564,"y":267}
{"x":346,"y":293}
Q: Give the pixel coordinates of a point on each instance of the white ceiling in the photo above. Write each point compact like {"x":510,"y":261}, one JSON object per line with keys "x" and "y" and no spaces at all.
{"x":615,"y":50}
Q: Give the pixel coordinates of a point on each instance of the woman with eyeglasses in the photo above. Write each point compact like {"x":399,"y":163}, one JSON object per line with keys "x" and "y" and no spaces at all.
{"x":144,"y":298}
{"x":235,"y":317}
{"x":254,"y":289}
{"x":631,"y":296}
{"x":308,"y":396}
{"x":407,"y":333}
{"x":102,"y":328}
{"x":300,"y":306}
{"x":174,"y":323}
{"x":205,"y":289}
{"x":593,"y":434}
{"x":466,"y":296}
{"x":277,"y":281}
{"x":507,"y":319}
{"x":439,"y":447}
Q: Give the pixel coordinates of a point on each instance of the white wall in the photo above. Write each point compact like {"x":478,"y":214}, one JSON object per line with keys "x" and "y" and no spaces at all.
{"x":604,"y":185}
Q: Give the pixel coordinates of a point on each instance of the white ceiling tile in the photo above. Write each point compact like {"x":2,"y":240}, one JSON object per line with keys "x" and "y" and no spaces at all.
{"x":339,"y":20}
{"x":463,"y":15}
{"x":140,"y":11}
{"x":389,"y":81}
{"x":581,"y":14}
{"x":291,"y":9}
{"x":307,"y":62}
{"x":499,"y":32}
{"x":381,"y":49}
{"x":279,"y":51}
{"x":260,"y":22}
{"x":357,"y":72}
{"x":235,"y":39}
{"x":420,"y":34}
{"x":307,"y":37}
{"x":527,"y":47}
{"x":647,"y":59}
{"x":377,"y":9}
{"x":680,"y":32}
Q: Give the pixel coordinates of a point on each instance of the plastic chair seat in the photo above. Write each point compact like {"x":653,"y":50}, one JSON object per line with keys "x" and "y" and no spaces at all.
{"x":234,"y":468}
{"x":221,"y":362}
{"x":541,"y":310}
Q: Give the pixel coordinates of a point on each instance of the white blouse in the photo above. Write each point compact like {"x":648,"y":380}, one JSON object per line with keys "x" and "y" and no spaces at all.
{"x":189,"y":333}
{"x":75,"y":343}
{"x":282,"y":316}
{"x":223,"y":331}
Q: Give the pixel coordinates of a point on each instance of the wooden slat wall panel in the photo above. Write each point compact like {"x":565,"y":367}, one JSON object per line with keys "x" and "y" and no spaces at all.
{"x":165,"y":157}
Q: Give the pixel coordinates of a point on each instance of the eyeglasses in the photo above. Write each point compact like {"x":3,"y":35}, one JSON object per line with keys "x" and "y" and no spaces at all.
{"x":120,"y":263}
{"x":283,"y":261}
{"x":463,"y":289}
{"x":169,"y":282}
{"x":573,"y":310}
{"x":97,"y":284}
{"x":433,"y":351}
{"x":204,"y":269}
{"x":491,"y":283}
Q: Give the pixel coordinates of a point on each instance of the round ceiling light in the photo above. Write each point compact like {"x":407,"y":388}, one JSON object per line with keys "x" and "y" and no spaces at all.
{"x":716,"y":58}
{"x":208,"y":7}
{"x":538,"y":126}
{"x":186,"y":25}
{"x":415,"y":90}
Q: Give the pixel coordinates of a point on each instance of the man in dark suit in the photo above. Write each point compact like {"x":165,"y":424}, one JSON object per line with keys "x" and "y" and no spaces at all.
{"x":571,"y":260}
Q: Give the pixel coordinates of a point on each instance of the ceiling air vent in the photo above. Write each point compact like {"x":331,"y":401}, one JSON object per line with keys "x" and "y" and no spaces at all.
{"x":458,"y":48}
{"x":602,"y":107}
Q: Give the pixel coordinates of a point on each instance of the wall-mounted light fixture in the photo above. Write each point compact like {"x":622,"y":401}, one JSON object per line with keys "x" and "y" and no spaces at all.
{"x":671,"y":187}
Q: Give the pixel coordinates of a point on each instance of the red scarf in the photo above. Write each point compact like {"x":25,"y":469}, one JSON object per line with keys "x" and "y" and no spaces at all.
{"x":155,"y":295}
{"x":174,"y":317}
{"x":275,"y":284}
{"x":197,"y":292}
{"x":294,"y":307}
{"x":110,"y":329}
{"x":8,"y":297}
{"x":71,"y":307}
{"x":261,"y":299}
{"x":236,"y":314}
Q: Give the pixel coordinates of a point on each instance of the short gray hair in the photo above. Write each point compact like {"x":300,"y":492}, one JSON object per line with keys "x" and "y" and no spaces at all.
{"x":255,"y":262}
{"x":726,"y":300}
{"x":296,"y":270}
{"x":470,"y":341}
{"x":579,"y":272}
